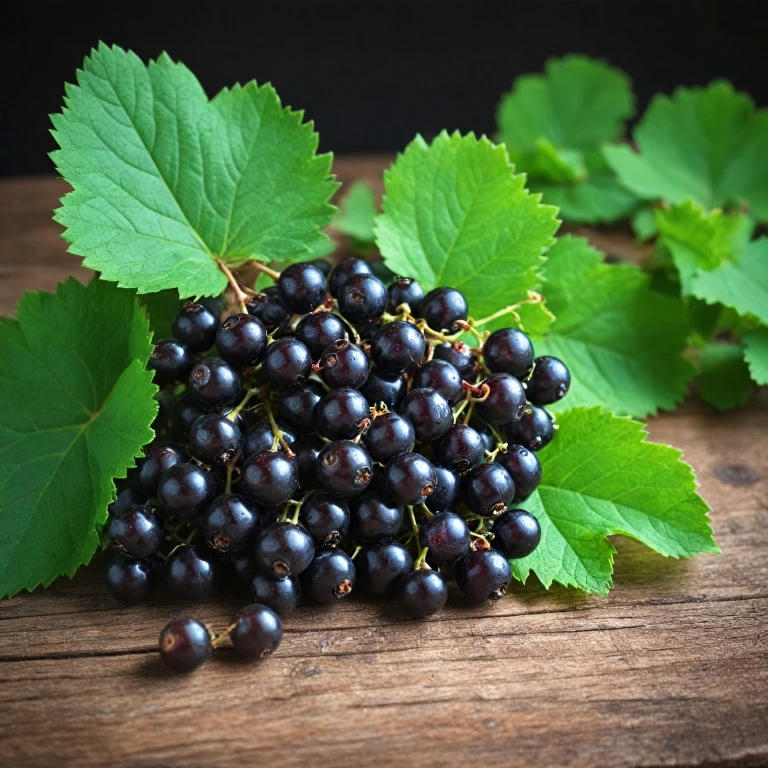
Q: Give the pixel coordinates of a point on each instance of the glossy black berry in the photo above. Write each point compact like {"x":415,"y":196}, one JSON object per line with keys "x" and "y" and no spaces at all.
{"x":326,"y":517}
{"x":185,"y":645}
{"x":422,"y":593}
{"x":405,"y":291}
{"x":509,"y":351}
{"x":483,"y":575}
{"x":214,"y":439}
{"x":242,"y":340}
{"x":283,"y":549}
{"x":345,"y":468}
{"x":410,"y":478}
{"x":459,"y":355}
{"x":231,"y":523}
{"x":215,"y":381}
{"x":442,"y":307}
{"x":343,"y":271}
{"x":297,"y":406}
{"x":136,"y":532}
{"x":301,"y":287}
{"x":128,"y":496}
{"x":257,"y":631}
{"x":243,"y":565}
{"x":381,"y":566}
{"x":307,"y":449}
{"x":549,"y":381}
{"x":287,"y":363}
{"x":269,"y":478}
{"x":460,"y":448}
{"x":447,"y":494}
{"x":260,"y":437}
{"x":196,"y":326}
{"x":191,"y":573}
{"x":447,"y":537}
{"x":486,"y":435}
{"x":129,"y":581}
{"x":388,"y":435}
{"x":281,"y":595}
{"x":374,"y":514}
{"x":362,"y":298}
{"x":534,"y":430}
{"x":505,"y":401}
{"x":369,"y":330}
{"x":429,"y":413}
{"x":344,"y":364}
{"x":487,"y":489}
{"x":398,"y":347}
{"x":441,"y":376}
{"x":318,"y":331}
{"x":324,"y":266}
{"x":188,"y":411}
{"x":268,"y":308}
{"x":331,"y":575}
{"x":387,"y":388}
{"x":342,"y":413}
{"x":157,"y":459}
{"x":524,"y":468}
{"x":516,"y":533}
{"x":186,"y":490}
{"x":171,"y":360}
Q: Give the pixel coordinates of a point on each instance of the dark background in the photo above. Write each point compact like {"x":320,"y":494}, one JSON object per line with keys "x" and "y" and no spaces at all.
{"x":372,"y":74}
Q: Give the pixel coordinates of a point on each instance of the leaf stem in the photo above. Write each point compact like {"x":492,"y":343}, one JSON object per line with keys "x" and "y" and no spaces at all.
{"x":240,"y":295}
{"x":261,"y":267}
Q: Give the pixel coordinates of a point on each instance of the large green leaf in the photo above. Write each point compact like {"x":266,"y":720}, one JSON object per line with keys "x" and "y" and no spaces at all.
{"x":357,"y":214}
{"x":456,"y":214}
{"x":165,"y":181}
{"x":621,"y":340}
{"x":77,"y":408}
{"x":707,"y":144}
{"x":600,"y":478}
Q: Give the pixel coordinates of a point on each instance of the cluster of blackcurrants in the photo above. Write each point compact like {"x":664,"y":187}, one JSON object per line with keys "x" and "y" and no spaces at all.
{"x":333,"y":441}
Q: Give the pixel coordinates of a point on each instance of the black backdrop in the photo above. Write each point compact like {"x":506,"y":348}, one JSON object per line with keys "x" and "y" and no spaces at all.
{"x":372,"y":74}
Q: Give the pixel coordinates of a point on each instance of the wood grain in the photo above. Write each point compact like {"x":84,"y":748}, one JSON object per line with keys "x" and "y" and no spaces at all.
{"x":670,"y":669}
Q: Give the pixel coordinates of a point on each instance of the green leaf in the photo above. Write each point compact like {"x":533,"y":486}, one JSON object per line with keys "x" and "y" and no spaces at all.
{"x":456,"y":214}
{"x":724,"y":378}
{"x":600,"y":478}
{"x":756,"y":354}
{"x":621,"y":341}
{"x":161,"y":308}
{"x":357,"y":214}
{"x":643,"y":223}
{"x":77,"y":408}
{"x":706,"y":144}
{"x":165,"y":181}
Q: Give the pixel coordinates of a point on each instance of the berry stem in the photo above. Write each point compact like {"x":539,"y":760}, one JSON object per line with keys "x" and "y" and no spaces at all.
{"x":421,"y":560}
{"x":233,"y":414}
{"x":414,"y":525}
{"x":240,"y":295}
{"x":532,"y":298}
{"x":261,"y":267}
{"x":276,"y":431}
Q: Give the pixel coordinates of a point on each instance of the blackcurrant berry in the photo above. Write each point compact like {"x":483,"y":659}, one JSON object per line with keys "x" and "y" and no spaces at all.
{"x":171,"y":360}
{"x":318,"y":331}
{"x":269,"y":478}
{"x":185,"y":645}
{"x":442,"y":307}
{"x":301,"y":287}
{"x":307,"y":449}
{"x":345,"y":468}
{"x":516,"y":533}
{"x":429,"y":413}
{"x":287,"y":363}
{"x":331,"y":575}
{"x":549,"y":381}
{"x":186,"y":490}
{"x":486,"y":435}
{"x":196,"y":326}
{"x":136,"y":532}
{"x":243,"y":565}
{"x":326,"y":517}
{"x":405,"y":291}
{"x":387,"y":388}
{"x":441,"y":376}
{"x":505,"y":401}
{"x":487,"y":489}
{"x":459,"y":355}
{"x":382,"y":564}
{"x":189,"y":410}
{"x":509,"y":351}
{"x":242,"y":340}
{"x":388,"y":435}
{"x":447,"y":537}
{"x":324,"y":266}
{"x":129,"y":581}
{"x":297,"y":406}
{"x":281,"y":595}
{"x":398,"y":347}
{"x":447,"y":494}
{"x":231,"y":523}
{"x":410,"y":478}
{"x":191,"y":573}
{"x":342,"y":413}
{"x":215,"y":381}
{"x":524,"y":468}
{"x":483,"y":575}
{"x":157,"y":459}
{"x":283,"y":550}
{"x":214,"y":439}
{"x":344,"y":270}
{"x":374,"y":514}
{"x":257,"y":631}
{"x":260,"y":437}
{"x":369,"y":330}
{"x":268,"y":308}
{"x":534,"y":430}
{"x":127,"y":496}
{"x":362,"y":298}
{"x":460,"y":448}
{"x":344,"y":364}
{"x":422,"y":593}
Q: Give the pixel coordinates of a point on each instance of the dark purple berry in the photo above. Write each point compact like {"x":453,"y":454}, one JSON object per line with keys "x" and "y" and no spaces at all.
{"x":196,"y":326}
{"x":345,"y":468}
{"x":410,"y":478}
{"x":242,"y":340}
{"x":460,"y":448}
{"x":326,"y":517}
{"x":459,"y":355}
{"x":301,"y":287}
{"x":268,"y":308}
{"x":171,"y":360}
{"x":214,"y":439}
{"x":524,"y":468}
{"x":429,"y":413}
{"x":318,"y":331}
{"x":269,"y":478}
{"x":342,"y":413}
{"x":257,"y":631}
{"x":231,"y":523}
{"x":191,"y":573}
{"x":509,"y":351}
{"x":447,"y":537}
{"x":281,"y":595}
{"x":331,"y":575}
{"x":297,"y":406}
{"x":215,"y":381}
{"x":136,"y":532}
{"x":441,"y":376}
{"x":487,"y":489}
{"x":483,"y":575}
{"x":344,"y":364}
{"x":505,"y":401}
{"x":185,"y":645}
{"x":405,"y":291}
{"x":374,"y":514}
{"x":362,"y":298}
{"x":388,"y":435}
{"x":447,"y":494}
{"x":398,"y":347}
{"x":186,"y":490}
{"x":343,"y":271}
{"x":516,"y":533}
{"x":287,"y":363}
{"x":549,"y":381}
{"x":158,"y":458}
{"x":283,"y":549}
{"x":129,"y":581}
{"x":534,"y":430}
{"x":382,"y":564}
{"x":387,"y":388}
{"x":260,"y":437}
{"x":422,"y":593}
{"x":442,"y":307}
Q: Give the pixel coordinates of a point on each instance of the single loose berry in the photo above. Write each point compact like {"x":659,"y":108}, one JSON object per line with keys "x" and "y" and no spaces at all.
{"x":185,"y":645}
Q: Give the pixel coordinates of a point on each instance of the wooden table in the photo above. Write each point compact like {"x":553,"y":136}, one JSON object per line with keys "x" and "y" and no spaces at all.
{"x":670,"y":669}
